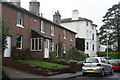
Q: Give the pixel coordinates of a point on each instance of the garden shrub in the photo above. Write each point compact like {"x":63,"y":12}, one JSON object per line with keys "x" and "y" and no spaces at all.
{"x":77,"y":54}
{"x":21,"y":54}
{"x":53,"y":55}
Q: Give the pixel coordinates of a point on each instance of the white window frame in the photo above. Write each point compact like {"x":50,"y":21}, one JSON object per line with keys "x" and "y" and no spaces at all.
{"x":42,"y":27}
{"x":21,"y":42}
{"x":93,"y":36}
{"x":71,"y":37}
{"x":64,"y":48}
{"x":87,"y":33}
{"x":52,"y":46}
{"x":52,"y":30}
{"x":93,"y":47}
{"x":20,"y":21}
{"x":64,"y":34}
{"x":87,"y":47}
{"x":87,"y":23}
{"x":35,"y":44}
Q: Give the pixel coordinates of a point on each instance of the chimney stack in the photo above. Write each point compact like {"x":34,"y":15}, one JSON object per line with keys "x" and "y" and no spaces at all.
{"x":57,"y":17}
{"x":34,"y":7}
{"x":75,"y":15}
{"x":16,"y":2}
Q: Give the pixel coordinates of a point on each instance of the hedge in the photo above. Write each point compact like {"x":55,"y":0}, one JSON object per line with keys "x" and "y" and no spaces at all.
{"x":113,"y":55}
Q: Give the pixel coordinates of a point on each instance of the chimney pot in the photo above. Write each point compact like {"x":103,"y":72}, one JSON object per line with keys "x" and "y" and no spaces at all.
{"x":34,"y":7}
{"x":57,"y":17}
{"x":75,"y":15}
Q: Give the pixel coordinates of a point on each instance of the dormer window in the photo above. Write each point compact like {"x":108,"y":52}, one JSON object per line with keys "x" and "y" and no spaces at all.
{"x":42,"y":27}
{"x":20,"y":19}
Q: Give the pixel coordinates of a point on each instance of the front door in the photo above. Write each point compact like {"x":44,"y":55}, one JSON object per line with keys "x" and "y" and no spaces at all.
{"x":46,"y":52}
{"x":7,"y":52}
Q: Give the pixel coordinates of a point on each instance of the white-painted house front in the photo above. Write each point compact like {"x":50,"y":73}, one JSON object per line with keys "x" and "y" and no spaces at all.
{"x":85,"y":29}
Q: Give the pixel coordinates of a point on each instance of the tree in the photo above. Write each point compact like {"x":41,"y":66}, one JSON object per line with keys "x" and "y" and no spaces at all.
{"x":4,"y":34}
{"x":80,"y":44}
{"x":112,"y":25}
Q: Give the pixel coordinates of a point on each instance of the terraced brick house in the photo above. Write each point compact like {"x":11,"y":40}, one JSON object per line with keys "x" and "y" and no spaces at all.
{"x":27,"y":30}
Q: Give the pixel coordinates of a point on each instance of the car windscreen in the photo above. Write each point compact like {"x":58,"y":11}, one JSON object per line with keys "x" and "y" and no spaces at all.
{"x":113,"y":61}
{"x":91,"y":60}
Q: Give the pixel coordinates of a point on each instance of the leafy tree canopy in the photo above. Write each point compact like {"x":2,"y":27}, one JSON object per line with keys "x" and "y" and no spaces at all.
{"x":80,"y":44}
{"x":111,"y":27}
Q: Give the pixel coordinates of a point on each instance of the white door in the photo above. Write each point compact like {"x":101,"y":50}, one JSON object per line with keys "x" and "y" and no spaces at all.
{"x":46,"y":52}
{"x":7,"y":52}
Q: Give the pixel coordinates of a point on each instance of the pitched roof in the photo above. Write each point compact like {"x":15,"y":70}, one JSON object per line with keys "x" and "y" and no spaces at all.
{"x":70,"y":20}
{"x":42,"y":34}
{"x":36,"y":16}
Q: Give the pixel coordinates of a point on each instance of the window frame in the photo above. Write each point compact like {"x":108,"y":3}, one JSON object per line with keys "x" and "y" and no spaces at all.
{"x":64,"y":48}
{"x":21,"y":42}
{"x":42,"y":26}
{"x":20,"y":19}
{"x":93,"y":36}
{"x":71,"y":37}
{"x":87,"y":47}
{"x":52,"y":30}
{"x":93,"y":47}
{"x":64,"y":34}
{"x":36,"y":48}
{"x":87,"y":23}
{"x":52,"y":46}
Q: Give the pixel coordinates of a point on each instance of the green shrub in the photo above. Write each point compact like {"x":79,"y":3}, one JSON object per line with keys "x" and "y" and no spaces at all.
{"x":114,"y":55}
{"x":77,"y":54}
{"x":19,"y":54}
{"x":53,"y":55}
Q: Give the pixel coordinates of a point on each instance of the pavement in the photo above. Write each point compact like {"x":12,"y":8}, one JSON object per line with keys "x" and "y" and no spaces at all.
{"x":16,"y":73}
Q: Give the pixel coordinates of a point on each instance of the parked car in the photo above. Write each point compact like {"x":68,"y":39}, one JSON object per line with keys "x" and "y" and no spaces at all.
{"x":115,"y":63}
{"x":98,"y":65}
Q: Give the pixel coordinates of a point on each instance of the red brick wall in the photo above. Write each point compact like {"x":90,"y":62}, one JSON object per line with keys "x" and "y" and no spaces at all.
{"x":30,"y":22}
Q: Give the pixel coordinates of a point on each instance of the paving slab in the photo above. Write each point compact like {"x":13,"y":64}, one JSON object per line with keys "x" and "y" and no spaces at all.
{"x":16,"y":73}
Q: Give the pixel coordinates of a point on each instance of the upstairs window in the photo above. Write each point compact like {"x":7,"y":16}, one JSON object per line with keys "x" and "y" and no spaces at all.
{"x":42,"y":27}
{"x":64,"y":34}
{"x":87,"y":33}
{"x":20,"y":19}
{"x":52,"y":30}
{"x":86,"y":23}
{"x":19,"y":42}
{"x":92,"y":27}
{"x":92,"y":36}
{"x":71,"y":37}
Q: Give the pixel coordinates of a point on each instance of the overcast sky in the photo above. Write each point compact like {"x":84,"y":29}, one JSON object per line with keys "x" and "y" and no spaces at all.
{"x":90,"y":9}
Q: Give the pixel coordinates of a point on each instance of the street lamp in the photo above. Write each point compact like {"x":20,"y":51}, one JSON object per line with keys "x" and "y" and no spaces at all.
{"x":107,"y":43}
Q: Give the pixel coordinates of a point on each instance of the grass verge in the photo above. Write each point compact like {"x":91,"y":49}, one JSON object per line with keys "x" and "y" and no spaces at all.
{"x":44,"y":64}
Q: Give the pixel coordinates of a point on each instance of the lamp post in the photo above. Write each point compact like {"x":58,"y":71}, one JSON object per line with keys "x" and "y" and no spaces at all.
{"x":107,"y":44}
